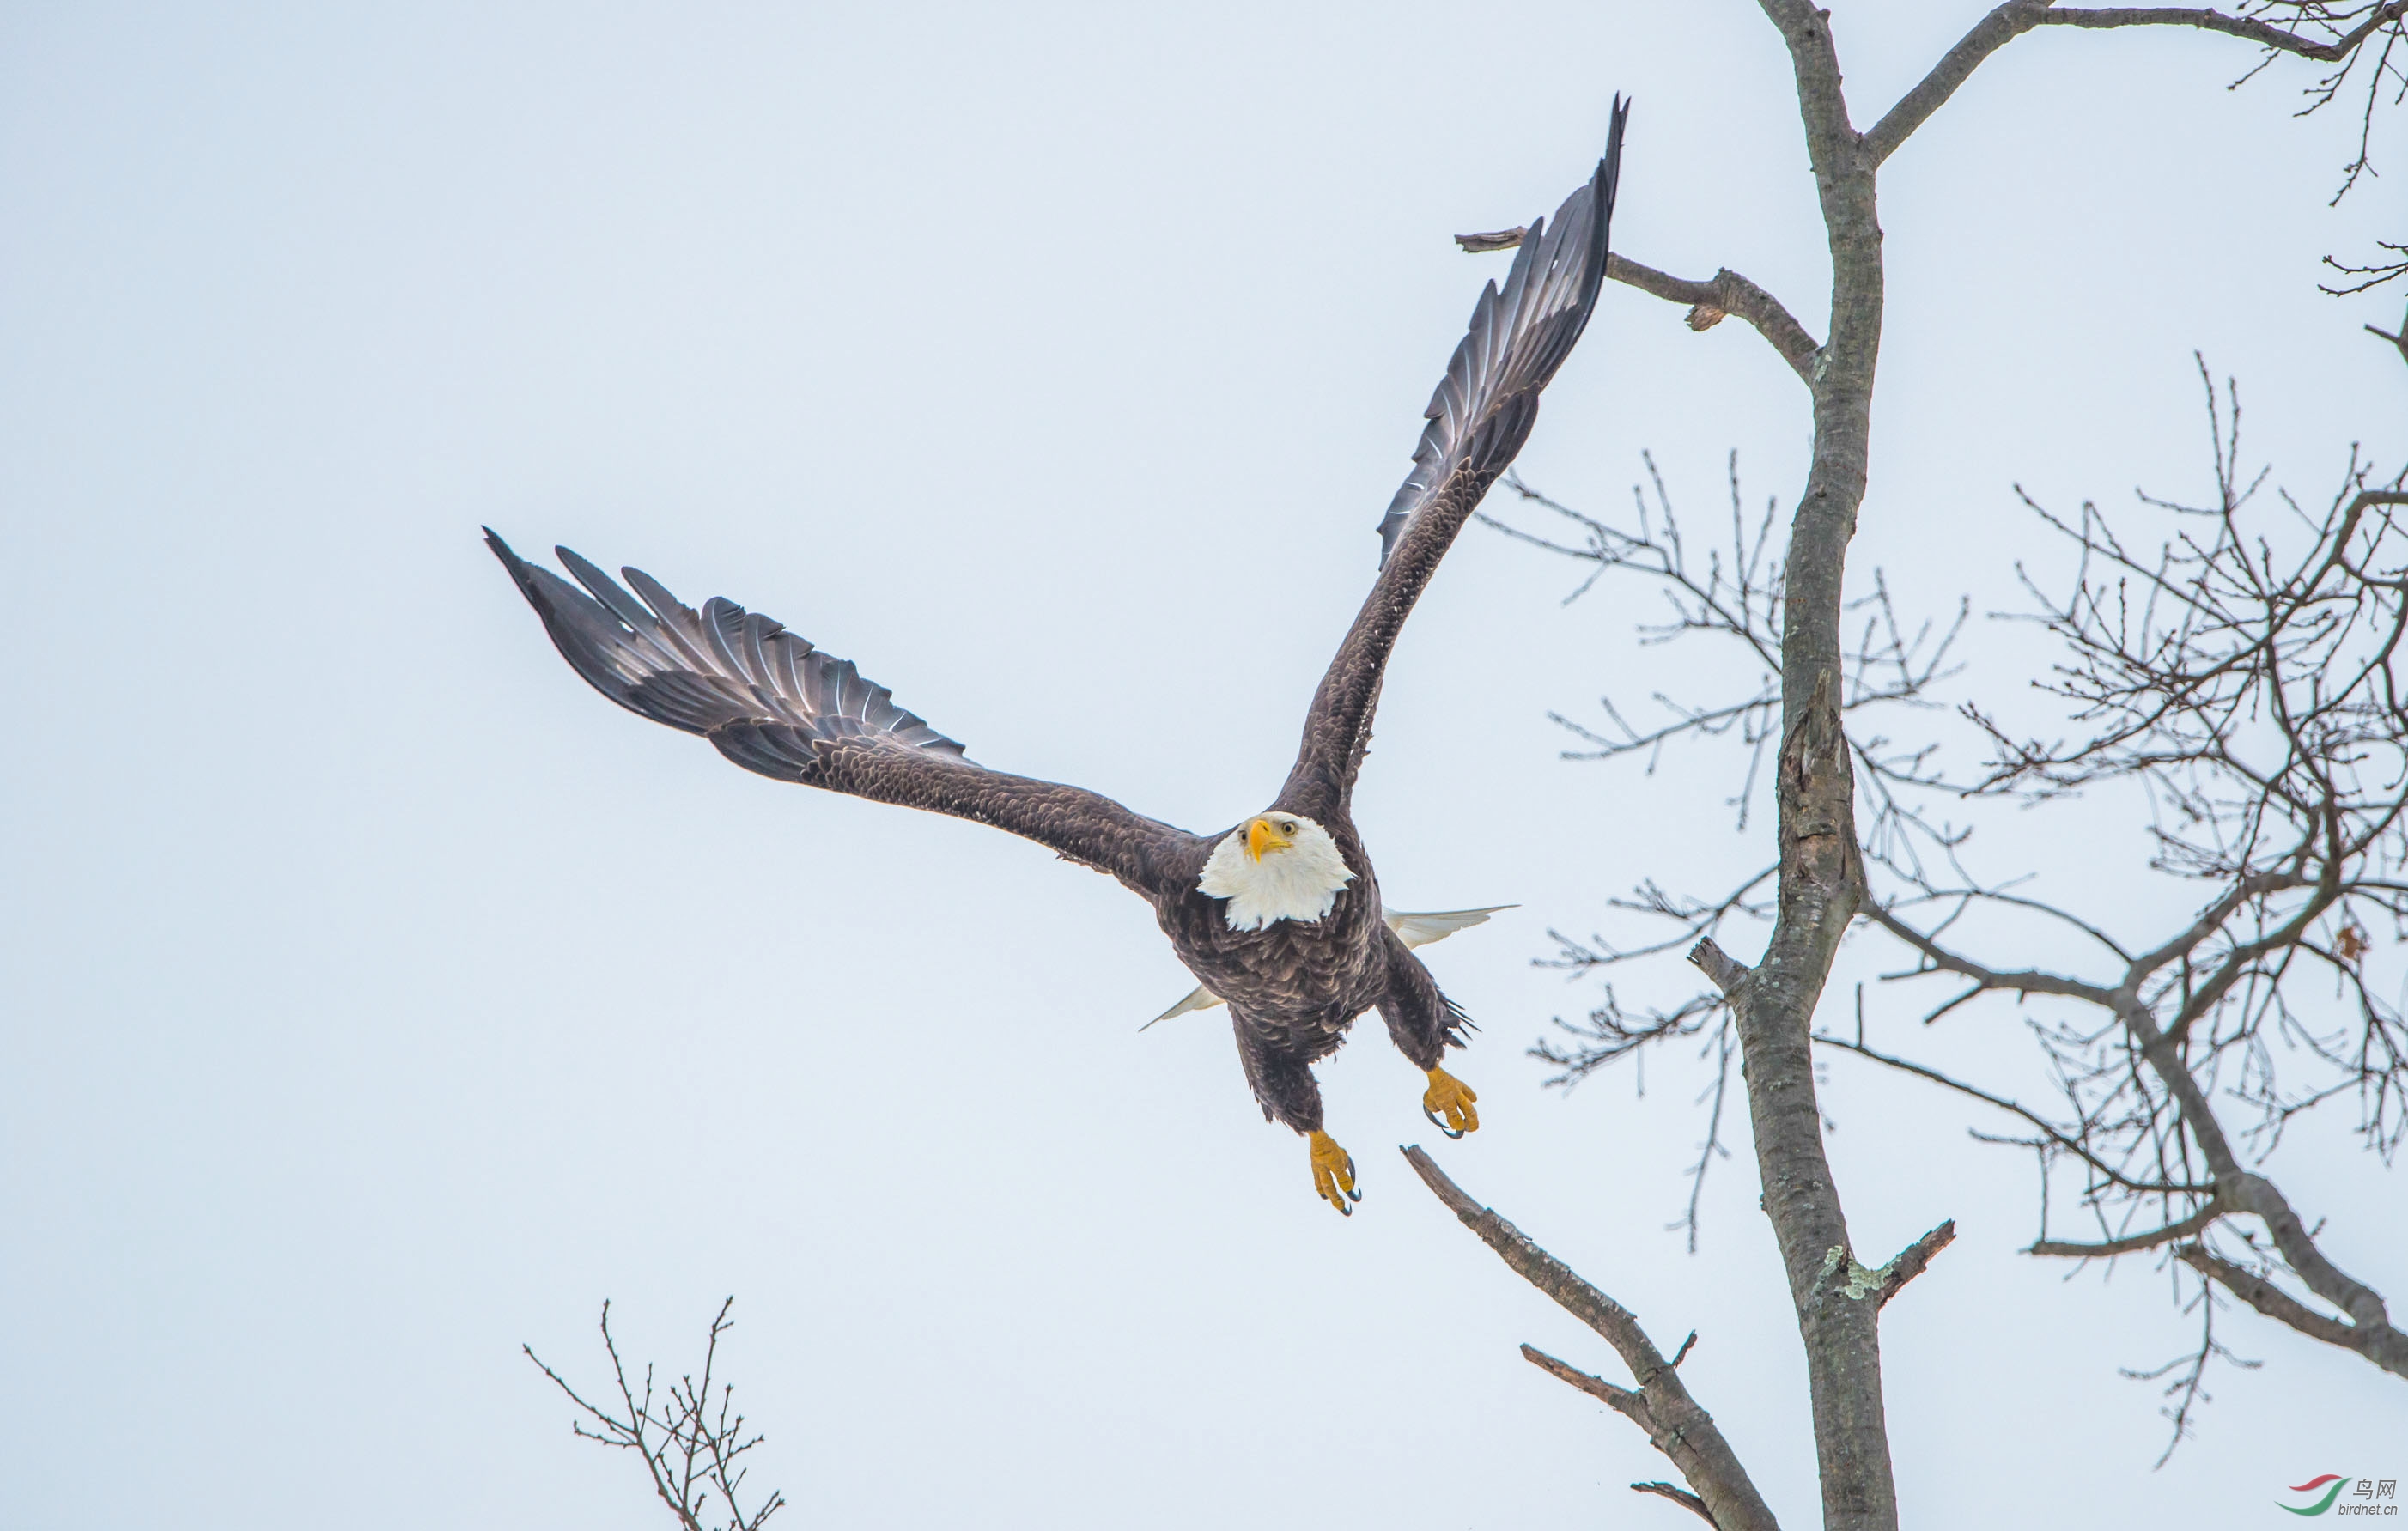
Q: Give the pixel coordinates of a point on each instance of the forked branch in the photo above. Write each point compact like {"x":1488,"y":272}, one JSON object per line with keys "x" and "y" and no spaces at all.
{"x":1675,"y":1422}
{"x":2346,"y":30}
{"x":2255,"y":1289}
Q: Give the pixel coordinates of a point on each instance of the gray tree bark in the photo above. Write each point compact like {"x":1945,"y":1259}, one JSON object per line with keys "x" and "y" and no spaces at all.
{"x":1820,"y":880}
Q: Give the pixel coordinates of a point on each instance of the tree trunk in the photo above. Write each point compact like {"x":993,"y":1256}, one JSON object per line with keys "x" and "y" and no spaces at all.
{"x":1821,"y":880}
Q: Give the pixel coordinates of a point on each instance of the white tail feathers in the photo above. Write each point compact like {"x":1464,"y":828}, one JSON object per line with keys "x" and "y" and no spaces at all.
{"x":1422,"y":929}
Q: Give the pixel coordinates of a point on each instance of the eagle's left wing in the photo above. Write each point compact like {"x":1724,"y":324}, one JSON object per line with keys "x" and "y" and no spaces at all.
{"x":1479,"y":418}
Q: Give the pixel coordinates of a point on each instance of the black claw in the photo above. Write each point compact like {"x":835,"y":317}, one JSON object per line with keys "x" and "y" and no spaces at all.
{"x":1440,"y":1125}
{"x":1344,"y":1210}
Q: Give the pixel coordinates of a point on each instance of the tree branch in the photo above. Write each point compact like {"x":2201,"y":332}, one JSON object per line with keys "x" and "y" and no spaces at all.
{"x":2055,"y":1138}
{"x":1676,"y":1424}
{"x":1725,"y":292}
{"x":2030,"y":982}
{"x":2109,"y":1249}
{"x":2210,"y":921}
{"x":2398,"y":342}
{"x":2014,"y":19}
{"x":1483,"y":244}
{"x":2237,"y":1189}
{"x":1621,"y":1400}
{"x":691,"y":1447}
{"x":1679,"y":1497}
{"x":2381,"y":1344}
{"x":1727,"y":971}
{"x":2244,"y":1191}
{"x":2246,"y":28}
{"x":1915,"y":1259}
{"x":1990,"y":34}
{"x":1732,"y":294}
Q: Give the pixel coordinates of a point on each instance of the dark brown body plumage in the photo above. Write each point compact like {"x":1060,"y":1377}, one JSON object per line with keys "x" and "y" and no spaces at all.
{"x":1292,"y":990}
{"x":774,"y":704}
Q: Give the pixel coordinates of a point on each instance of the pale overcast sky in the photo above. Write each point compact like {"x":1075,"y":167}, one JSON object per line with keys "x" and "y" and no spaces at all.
{"x":377,"y":997}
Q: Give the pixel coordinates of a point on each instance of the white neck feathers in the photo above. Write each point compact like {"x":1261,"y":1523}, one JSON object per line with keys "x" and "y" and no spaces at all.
{"x":1298,"y":882}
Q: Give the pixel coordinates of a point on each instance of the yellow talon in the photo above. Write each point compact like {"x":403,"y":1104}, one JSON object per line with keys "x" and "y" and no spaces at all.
{"x":1333,"y":1173}
{"x":1451,"y":1098}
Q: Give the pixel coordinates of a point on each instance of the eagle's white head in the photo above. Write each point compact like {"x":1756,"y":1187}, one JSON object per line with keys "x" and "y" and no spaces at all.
{"x":1275,"y":866}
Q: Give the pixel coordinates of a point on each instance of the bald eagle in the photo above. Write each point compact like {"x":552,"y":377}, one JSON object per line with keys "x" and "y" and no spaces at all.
{"x":1279,"y":917}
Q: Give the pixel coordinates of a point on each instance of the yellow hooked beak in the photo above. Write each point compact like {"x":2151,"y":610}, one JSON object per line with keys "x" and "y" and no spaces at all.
{"x":1261,"y":836}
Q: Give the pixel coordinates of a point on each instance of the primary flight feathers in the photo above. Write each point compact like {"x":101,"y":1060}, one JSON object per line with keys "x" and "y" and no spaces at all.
{"x":706,"y":670}
{"x":1483,"y":409}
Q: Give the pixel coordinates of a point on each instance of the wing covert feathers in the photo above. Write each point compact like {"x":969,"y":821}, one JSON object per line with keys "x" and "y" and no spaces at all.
{"x":1484,"y":405}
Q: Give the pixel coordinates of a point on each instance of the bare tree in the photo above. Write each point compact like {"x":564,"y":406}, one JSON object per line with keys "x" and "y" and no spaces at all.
{"x":692,"y":1447}
{"x":2243,"y":676}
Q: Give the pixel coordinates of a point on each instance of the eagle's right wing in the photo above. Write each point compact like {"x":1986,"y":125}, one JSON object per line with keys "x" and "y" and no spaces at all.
{"x":1478,"y":419}
{"x":774,"y":704}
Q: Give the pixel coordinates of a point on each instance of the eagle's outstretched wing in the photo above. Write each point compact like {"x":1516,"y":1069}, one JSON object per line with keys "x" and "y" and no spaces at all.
{"x":776,"y":705}
{"x":1479,"y":418}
